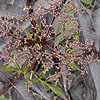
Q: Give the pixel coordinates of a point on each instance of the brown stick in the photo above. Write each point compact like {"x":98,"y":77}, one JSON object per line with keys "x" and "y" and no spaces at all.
{"x":53,"y":37}
{"x":50,"y":24}
{"x":5,"y":89}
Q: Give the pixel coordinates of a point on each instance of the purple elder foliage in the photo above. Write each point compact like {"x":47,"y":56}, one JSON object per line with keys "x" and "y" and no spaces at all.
{"x":43,"y":44}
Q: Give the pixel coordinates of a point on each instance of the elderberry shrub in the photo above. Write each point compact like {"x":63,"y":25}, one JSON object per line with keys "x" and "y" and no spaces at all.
{"x":45,"y":47}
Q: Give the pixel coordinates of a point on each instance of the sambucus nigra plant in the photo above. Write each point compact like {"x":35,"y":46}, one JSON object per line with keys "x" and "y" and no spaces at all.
{"x":44,"y":46}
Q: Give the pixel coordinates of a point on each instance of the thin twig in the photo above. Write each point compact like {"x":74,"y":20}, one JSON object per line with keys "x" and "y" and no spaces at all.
{"x":50,"y":47}
{"x":27,"y":3}
{"x":33,"y":41}
{"x":11,"y":84}
{"x":5,"y":89}
{"x":96,"y":52}
{"x":50,"y":25}
{"x":33,"y":22}
{"x":53,"y":37}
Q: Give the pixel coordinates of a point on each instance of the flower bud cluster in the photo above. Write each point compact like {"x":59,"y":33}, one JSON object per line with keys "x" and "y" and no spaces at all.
{"x":39,"y":43}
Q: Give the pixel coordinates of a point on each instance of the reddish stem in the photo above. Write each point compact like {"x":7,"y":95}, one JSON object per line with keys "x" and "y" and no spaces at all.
{"x":53,"y":37}
{"x":5,"y":89}
{"x":97,"y":52}
{"x":32,"y":67}
{"x":50,"y":24}
{"x":30,"y":41}
{"x":27,"y":3}
{"x":19,"y":78}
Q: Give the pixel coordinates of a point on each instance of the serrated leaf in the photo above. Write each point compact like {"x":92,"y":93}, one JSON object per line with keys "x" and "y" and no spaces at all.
{"x":35,"y":80}
{"x":74,"y":66}
{"x":55,"y":89}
